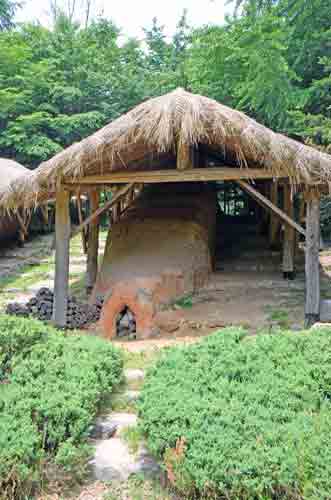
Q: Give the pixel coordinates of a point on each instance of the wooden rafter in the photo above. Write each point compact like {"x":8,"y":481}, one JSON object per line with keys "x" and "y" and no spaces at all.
{"x":262,"y":200}
{"x":174,"y":175}
{"x":102,"y":209}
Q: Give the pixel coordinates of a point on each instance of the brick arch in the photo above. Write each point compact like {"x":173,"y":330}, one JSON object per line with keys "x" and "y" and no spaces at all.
{"x":143,"y":311}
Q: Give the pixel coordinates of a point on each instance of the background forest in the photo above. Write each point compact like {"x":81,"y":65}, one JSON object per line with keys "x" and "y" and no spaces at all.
{"x":271,"y":59}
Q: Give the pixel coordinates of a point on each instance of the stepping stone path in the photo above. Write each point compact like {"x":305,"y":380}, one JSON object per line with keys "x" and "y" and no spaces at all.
{"x":134,"y":375}
{"x":113,"y":461}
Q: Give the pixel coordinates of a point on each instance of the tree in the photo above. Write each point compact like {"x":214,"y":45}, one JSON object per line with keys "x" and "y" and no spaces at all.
{"x":272,"y":60}
{"x":8,"y":9}
{"x":81,"y":11}
{"x":180,"y":43}
{"x":159,"y":51}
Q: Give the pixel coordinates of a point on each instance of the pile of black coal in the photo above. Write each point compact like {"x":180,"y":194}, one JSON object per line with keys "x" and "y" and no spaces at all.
{"x":79,"y":314}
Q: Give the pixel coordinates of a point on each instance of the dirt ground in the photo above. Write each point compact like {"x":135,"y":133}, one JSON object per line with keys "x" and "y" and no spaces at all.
{"x":253,"y":299}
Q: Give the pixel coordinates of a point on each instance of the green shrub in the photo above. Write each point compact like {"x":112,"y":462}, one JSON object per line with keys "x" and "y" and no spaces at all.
{"x":17,"y":335}
{"x":243,"y":418}
{"x":52,"y":394}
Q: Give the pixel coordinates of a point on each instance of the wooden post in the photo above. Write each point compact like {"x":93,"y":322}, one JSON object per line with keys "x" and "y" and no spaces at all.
{"x":289,"y":236}
{"x":80,"y":219}
{"x":312,"y":309}
{"x":62,"y":241}
{"x":274,"y":221}
{"x":184,"y":157}
{"x":93,"y":244}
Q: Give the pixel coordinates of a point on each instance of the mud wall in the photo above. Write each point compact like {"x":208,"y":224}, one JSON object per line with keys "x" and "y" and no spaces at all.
{"x":161,"y":250}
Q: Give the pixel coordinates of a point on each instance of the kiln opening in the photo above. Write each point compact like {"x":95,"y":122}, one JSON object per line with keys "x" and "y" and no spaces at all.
{"x":125,"y":323}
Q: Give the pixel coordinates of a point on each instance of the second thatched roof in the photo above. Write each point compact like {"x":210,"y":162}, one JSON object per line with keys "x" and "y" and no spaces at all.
{"x":10,"y":170}
{"x":154,"y":129}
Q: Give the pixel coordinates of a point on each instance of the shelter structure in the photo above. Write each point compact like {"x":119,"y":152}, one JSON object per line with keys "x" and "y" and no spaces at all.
{"x":182,"y":138}
{"x":12,"y":224}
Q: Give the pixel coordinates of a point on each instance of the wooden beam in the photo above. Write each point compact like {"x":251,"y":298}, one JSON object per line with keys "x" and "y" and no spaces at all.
{"x":93,"y":244}
{"x":289,"y":235}
{"x":262,"y":200}
{"x":62,"y":240}
{"x":312,"y":307}
{"x":102,"y":209}
{"x":173,"y":175}
{"x":274,"y":220}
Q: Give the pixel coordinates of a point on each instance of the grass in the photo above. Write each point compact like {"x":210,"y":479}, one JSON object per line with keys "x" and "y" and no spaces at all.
{"x":120,"y":403}
{"x":185,"y":302}
{"x":137,"y":488}
{"x":132,"y":437}
{"x":279,"y":316}
{"x":141,"y":360}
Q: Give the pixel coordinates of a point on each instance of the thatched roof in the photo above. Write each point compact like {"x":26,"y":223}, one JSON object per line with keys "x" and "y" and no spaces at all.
{"x":154,"y":129}
{"x":10,"y":170}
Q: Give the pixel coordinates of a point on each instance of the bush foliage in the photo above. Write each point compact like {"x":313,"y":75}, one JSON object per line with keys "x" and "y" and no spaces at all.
{"x":243,"y":418}
{"x":52,"y":385}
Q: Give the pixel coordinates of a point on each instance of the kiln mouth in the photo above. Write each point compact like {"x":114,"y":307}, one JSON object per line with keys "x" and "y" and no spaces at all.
{"x":126,"y":323}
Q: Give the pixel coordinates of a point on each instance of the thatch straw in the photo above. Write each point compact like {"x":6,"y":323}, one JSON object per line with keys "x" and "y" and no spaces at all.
{"x":10,"y":172}
{"x":158,"y":126}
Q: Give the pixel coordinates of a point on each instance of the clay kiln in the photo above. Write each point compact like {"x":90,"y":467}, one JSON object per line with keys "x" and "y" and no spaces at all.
{"x":160,"y":250}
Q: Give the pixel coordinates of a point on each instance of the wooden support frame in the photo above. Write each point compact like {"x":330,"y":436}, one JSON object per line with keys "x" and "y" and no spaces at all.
{"x":93,"y":244}
{"x":80,"y":218}
{"x":274,"y":225}
{"x":24,"y":220}
{"x":289,"y":235}
{"x":312,"y":305}
{"x":102,"y":209}
{"x":174,"y":175}
{"x":62,"y":242}
{"x":262,"y":200}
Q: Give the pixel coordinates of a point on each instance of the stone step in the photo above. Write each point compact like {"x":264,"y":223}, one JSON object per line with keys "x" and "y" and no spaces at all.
{"x":134,"y":375}
{"x":121,"y":420}
{"x":113,"y":461}
{"x":106,"y":426}
{"x":131,"y":396}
